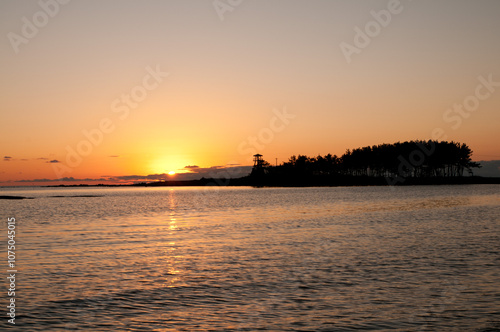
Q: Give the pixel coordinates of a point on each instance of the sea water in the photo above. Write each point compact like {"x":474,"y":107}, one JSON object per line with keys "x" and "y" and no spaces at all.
{"x":420,"y":258}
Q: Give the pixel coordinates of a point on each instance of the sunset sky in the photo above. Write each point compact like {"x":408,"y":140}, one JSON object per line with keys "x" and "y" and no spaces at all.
{"x":126,"y":90}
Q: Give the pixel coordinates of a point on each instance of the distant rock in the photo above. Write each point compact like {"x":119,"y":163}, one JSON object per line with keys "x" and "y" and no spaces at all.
{"x":15,"y":197}
{"x":58,"y":196}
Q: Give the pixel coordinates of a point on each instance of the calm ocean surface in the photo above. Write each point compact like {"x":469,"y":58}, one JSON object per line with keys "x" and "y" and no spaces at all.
{"x":423,"y":258}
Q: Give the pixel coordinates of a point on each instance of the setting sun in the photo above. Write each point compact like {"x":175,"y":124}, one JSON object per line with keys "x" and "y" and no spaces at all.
{"x":170,"y":165}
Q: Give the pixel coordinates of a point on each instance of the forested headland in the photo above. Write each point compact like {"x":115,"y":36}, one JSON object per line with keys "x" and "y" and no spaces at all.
{"x":409,"y":162}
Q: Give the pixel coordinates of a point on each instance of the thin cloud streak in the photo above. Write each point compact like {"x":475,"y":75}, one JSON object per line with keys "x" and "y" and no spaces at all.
{"x":194,"y":173}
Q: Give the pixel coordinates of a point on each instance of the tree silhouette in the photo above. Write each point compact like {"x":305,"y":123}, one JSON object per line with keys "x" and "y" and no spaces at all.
{"x":410,"y":159}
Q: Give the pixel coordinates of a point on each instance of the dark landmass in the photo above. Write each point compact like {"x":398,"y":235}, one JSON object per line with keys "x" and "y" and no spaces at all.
{"x":321,"y":181}
{"x":312,"y":181}
{"x":84,"y":185}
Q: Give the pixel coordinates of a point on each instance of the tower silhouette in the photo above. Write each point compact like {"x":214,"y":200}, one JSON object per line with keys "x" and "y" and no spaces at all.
{"x":258,"y":165}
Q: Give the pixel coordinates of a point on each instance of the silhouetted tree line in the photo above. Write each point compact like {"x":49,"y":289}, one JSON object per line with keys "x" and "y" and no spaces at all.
{"x":414,"y":159}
